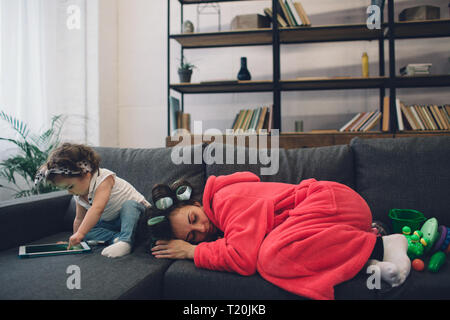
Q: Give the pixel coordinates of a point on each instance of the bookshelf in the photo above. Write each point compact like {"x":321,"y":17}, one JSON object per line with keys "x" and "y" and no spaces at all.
{"x":276,"y":36}
{"x":296,"y":140}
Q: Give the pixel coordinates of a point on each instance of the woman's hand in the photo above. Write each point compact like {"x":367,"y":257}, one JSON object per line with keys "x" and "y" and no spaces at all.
{"x":173,"y":249}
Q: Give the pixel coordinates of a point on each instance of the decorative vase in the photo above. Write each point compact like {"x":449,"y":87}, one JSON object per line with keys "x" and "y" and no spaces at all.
{"x":365,"y":65}
{"x":244,"y":74}
{"x":188,"y":27}
{"x":185,"y":75}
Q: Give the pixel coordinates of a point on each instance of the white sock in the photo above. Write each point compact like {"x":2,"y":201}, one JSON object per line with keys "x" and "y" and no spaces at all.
{"x":396,"y":264}
{"x":117,"y":249}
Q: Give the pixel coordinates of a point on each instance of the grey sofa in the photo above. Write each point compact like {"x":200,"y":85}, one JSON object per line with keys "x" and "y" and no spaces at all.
{"x":389,"y":173}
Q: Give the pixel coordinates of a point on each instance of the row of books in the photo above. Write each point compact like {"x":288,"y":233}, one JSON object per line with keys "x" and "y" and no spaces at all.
{"x":422,"y":117}
{"x":253,"y":120}
{"x":291,"y":14}
{"x":362,"y":122}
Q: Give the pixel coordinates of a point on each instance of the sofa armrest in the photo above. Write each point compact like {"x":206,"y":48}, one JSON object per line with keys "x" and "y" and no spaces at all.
{"x":29,"y":219}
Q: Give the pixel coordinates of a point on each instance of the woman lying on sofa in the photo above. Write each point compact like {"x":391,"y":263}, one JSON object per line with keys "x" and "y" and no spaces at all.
{"x":304,"y":238}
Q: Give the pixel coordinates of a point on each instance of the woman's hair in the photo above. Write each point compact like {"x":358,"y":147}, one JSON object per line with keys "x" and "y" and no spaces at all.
{"x":74,"y":160}
{"x":159,"y":223}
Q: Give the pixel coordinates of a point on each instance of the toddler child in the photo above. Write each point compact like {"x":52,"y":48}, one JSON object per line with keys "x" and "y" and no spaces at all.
{"x":107,"y":207}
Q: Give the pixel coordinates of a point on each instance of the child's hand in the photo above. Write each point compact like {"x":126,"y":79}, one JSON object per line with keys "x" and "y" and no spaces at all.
{"x":75,"y":239}
{"x":173,"y":249}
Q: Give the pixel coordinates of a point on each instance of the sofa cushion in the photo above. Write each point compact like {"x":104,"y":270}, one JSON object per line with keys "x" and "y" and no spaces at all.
{"x":145,"y":167}
{"x":404,"y":173}
{"x":31,"y":218}
{"x":201,"y":284}
{"x":333,"y":163}
{"x":135,"y":276}
{"x":204,"y":284}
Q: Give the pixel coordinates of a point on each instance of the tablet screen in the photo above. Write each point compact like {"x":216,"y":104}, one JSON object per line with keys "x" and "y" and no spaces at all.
{"x":48,"y":248}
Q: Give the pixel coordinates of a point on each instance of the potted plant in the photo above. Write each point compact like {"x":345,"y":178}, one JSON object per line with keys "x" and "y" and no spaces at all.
{"x":185,"y":70}
{"x":33,"y":150}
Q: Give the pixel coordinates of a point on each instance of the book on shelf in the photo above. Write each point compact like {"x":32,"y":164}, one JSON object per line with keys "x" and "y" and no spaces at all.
{"x":400,"y":124}
{"x":362,"y":122}
{"x":301,"y":11}
{"x":262,"y":119}
{"x":416,"y":69}
{"x":183,"y":121}
{"x":235,"y":120}
{"x":417,"y":118}
{"x":424,"y":117}
{"x":247,"y":120}
{"x":445,"y":125}
{"x":386,"y":114}
{"x":372,"y":122}
{"x":286,"y":14}
{"x":174,"y":110}
{"x":359,"y":122}
{"x":445,"y":110}
{"x":253,"y":120}
{"x":356,"y":122}
{"x":280,"y":20}
{"x":408,"y":117}
{"x":293,"y":13}
{"x":346,"y":126}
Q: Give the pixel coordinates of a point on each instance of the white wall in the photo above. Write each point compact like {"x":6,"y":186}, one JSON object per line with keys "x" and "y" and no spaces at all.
{"x":142,"y":73}
{"x":142,"y":55}
{"x":108,"y":73}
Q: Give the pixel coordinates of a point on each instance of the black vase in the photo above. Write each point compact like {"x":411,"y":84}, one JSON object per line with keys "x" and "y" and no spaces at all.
{"x":244,"y":74}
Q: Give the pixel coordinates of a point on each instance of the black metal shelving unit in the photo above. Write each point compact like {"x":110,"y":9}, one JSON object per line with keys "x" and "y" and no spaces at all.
{"x":277,"y":36}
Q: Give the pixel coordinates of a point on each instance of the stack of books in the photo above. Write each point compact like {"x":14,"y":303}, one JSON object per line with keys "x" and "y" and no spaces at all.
{"x":362,"y":122}
{"x":422,"y":117}
{"x":416,"y":69}
{"x":253,"y":120}
{"x":290,"y":14}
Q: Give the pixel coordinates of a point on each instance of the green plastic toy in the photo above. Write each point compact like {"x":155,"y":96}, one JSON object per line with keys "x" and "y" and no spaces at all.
{"x":415,"y":247}
{"x":436,"y":261}
{"x":421,"y":242}
{"x":430,"y":233}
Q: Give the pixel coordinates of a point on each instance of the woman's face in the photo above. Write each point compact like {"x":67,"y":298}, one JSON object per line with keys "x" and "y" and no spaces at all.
{"x":190,"y":223}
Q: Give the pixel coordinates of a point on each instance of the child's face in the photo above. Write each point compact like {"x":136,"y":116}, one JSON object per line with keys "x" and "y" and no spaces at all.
{"x":78,"y":186}
{"x":191,"y":224}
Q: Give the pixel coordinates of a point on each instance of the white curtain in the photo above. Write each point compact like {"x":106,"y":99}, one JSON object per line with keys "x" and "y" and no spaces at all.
{"x":43,"y":67}
{"x":44,"y":70}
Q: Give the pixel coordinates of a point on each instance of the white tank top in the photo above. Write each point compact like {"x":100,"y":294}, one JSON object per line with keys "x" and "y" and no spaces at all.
{"x":121,"y":192}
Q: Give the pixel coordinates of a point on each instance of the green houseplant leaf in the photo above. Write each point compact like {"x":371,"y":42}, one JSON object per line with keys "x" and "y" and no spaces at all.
{"x":33,"y":151}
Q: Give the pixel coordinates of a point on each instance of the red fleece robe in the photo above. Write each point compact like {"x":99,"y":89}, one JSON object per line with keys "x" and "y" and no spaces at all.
{"x":303,"y":238}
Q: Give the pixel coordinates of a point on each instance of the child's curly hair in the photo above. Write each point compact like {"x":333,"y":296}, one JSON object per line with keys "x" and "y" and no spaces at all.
{"x":69,"y":155}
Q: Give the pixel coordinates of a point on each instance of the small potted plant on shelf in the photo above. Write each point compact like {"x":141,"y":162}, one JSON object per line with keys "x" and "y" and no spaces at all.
{"x":185,"y":70}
